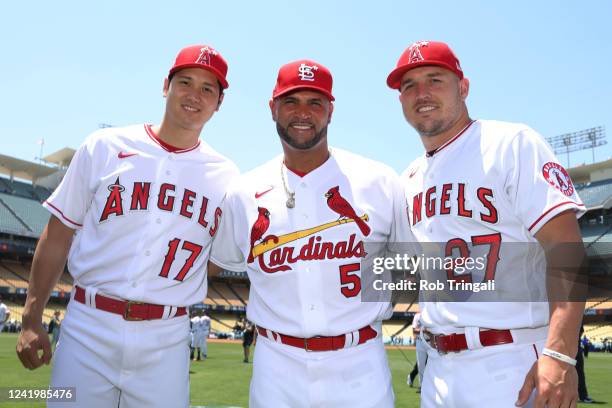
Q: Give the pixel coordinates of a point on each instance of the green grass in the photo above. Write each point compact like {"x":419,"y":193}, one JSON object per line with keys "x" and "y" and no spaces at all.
{"x":223,"y":380}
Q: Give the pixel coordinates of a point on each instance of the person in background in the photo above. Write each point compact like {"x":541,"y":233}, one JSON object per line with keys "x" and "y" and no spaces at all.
{"x":54,"y":328}
{"x":248,"y":338}
{"x":583,"y":394}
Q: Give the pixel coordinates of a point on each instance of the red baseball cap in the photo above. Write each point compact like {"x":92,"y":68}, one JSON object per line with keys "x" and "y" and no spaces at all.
{"x":423,"y":53}
{"x":303,"y":74}
{"x":201,"y":56}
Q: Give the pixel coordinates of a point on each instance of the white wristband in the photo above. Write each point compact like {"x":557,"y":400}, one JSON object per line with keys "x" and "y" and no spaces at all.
{"x":556,"y":355}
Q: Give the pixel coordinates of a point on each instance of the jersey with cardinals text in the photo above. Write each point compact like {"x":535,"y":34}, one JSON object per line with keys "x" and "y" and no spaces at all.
{"x":493,"y":184}
{"x":304,"y":262}
{"x":145,"y":215}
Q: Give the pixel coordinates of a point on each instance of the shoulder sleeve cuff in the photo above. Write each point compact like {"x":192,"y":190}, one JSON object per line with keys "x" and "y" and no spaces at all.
{"x":550,"y":213}
{"x":60,"y":215}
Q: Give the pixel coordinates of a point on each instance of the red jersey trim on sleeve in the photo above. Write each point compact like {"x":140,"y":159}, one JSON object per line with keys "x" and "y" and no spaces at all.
{"x":551,"y":209}
{"x":62,"y":214}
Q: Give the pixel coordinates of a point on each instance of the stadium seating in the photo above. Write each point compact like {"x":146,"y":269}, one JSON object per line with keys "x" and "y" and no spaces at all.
{"x":222,"y":322}
{"x":9,"y":223}
{"x":227,"y":294}
{"x":9,"y":279}
{"x":29,"y":211}
{"x":11,"y":276}
{"x":242,"y":291}
{"x":41,"y":193}
{"x":215,"y":296}
{"x":597,"y":194}
{"x":5,"y":186}
{"x":597,"y":332}
{"x":22,"y":189}
{"x":17,"y":275}
{"x":16,"y":310}
{"x":593,"y":303}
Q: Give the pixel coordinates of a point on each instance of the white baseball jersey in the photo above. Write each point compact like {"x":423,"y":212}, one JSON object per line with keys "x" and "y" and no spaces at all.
{"x":205,"y":324}
{"x":4,"y":310}
{"x":493,"y":183}
{"x":200,"y":324}
{"x":304,"y":262}
{"x":145,"y":215}
{"x":195,"y":324}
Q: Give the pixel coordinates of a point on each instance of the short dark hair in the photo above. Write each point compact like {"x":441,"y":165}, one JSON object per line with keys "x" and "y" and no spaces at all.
{"x":221,"y":90}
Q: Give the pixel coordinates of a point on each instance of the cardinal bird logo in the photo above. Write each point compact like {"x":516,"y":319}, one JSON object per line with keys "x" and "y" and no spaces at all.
{"x":339,"y":205}
{"x":258,"y":229}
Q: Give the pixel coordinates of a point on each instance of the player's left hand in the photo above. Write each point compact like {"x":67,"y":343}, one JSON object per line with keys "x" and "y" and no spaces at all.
{"x":555,"y":382}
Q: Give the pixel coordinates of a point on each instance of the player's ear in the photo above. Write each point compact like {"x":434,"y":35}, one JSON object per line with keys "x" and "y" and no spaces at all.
{"x":272,"y":105}
{"x":331,"y":110}
{"x":220,"y":101}
{"x":464,"y":88}
{"x":166,"y":87}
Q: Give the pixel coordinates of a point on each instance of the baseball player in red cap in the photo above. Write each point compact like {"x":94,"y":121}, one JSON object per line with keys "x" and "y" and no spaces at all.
{"x":298,"y":225}
{"x":144,"y":202}
{"x":485,"y":183}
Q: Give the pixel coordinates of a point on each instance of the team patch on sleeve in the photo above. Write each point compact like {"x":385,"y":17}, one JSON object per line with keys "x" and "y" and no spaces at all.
{"x":558,"y":177}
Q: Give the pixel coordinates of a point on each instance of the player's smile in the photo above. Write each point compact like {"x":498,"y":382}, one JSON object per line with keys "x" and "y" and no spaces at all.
{"x":425,"y":108}
{"x":302,"y":118}
{"x":190,"y":108}
{"x":302,"y":127}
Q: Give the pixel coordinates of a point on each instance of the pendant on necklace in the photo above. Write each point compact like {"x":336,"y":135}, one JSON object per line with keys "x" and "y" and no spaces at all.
{"x":291,"y":201}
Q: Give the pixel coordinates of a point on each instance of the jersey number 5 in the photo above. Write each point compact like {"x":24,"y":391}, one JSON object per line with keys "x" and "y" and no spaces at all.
{"x":494,"y":242}
{"x":195,"y":250}
{"x":350,"y":282}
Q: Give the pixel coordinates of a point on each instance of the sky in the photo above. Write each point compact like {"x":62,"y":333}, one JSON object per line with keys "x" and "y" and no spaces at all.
{"x":69,"y":66}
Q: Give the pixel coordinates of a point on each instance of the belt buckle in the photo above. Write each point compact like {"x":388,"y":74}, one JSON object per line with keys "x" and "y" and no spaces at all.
{"x":306,"y":343}
{"x":128,"y":310}
{"x":431,"y":339}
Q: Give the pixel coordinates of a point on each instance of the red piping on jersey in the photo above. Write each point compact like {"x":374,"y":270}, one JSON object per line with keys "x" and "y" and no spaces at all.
{"x":462,"y":131}
{"x":552,"y":208}
{"x":296,"y":172}
{"x":166,"y":146}
{"x":62,"y":214}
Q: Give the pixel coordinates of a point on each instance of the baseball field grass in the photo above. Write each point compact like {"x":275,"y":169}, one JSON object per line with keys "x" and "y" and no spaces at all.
{"x":223,"y":379}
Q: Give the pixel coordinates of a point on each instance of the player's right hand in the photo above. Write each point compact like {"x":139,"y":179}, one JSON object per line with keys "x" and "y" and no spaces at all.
{"x":30,"y":342}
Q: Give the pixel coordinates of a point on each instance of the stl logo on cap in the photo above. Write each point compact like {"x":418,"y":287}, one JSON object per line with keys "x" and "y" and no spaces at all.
{"x":415,"y":51}
{"x":306,"y":72}
{"x":303,"y":74}
{"x":204,"y":57}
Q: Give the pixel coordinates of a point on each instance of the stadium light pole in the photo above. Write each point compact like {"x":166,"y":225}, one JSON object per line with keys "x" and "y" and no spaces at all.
{"x":580,"y":140}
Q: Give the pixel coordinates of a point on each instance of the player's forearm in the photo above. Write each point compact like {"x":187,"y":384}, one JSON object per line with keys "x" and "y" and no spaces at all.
{"x":565,"y":321}
{"x":47,"y":267}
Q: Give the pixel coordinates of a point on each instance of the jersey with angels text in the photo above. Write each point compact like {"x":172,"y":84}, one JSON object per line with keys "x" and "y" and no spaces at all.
{"x":144,"y":213}
{"x":493,"y":184}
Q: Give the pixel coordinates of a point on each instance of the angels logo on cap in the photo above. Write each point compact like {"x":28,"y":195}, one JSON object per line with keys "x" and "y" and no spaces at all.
{"x":201,"y":56}
{"x":415,"y":51}
{"x":423,"y":53}
{"x":204,"y":57}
